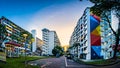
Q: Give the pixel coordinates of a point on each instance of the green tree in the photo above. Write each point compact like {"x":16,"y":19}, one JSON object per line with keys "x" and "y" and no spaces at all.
{"x":57,"y":50}
{"x":104,"y":6}
{"x":3,"y":33}
{"x":29,"y":38}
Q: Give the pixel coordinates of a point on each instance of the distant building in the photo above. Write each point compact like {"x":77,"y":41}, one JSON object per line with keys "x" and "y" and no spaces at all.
{"x":92,"y":38}
{"x":39,"y":44}
{"x":34,"y":43}
{"x":50,"y":40}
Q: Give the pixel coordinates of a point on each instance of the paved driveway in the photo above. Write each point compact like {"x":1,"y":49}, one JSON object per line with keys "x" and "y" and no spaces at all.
{"x":50,"y":62}
{"x":62,"y":62}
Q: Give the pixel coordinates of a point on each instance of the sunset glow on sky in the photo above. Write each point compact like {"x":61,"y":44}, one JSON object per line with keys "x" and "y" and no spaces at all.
{"x":58,"y":15}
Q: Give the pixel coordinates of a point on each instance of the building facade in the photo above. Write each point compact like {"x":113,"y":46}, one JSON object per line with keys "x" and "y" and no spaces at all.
{"x":50,"y":40}
{"x":15,"y":43}
{"x":39,"y":44}
{"x":89,"y":33}
{"x":107,"y":37}
{"x":34,"y":43}
{"x":81,"y":35}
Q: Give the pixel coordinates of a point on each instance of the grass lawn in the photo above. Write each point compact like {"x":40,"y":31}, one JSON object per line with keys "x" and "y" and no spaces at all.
{"x":103,"y":62}
{"x":119,"y":57}
{"x":19,"y":62}
{"x":97,"y":62}
{"x":100,"y":62}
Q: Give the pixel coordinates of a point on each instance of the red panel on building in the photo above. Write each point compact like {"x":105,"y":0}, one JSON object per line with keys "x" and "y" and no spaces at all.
{"x":95,"y":40}
{"x":12,"y":43}
{"x":96,"y":17}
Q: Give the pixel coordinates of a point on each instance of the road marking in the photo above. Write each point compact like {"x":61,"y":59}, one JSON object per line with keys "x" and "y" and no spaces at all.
{"x":65,"y":62}
{"x":48,"y":63}
{"x":69,"y":65}
{"x":74,"y":66}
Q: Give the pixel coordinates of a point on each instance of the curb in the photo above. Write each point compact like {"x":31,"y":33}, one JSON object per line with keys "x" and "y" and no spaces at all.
{"x":112,"y":63}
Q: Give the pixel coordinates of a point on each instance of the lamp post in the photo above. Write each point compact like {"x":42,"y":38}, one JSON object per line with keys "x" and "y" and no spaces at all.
{"x":25,"y":36}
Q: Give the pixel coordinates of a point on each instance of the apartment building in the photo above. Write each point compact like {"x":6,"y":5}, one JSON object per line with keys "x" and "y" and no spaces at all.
{"x":90,"y":33}
{"x":15,"y":42}
{"x":50,"y":40}
{"x":107,"y":37}
{"x":81,"y":35}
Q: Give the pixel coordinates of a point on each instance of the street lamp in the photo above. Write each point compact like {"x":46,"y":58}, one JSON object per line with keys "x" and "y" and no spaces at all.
{"x":25,"y":36}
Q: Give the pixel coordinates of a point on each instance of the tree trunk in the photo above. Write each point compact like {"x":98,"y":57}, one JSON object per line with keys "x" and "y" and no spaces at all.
{"x":117,"y":40}
{"x":116,"y":45}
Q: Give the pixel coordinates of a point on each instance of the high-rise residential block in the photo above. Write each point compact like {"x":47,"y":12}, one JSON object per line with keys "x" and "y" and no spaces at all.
{"x":50,"y":40}
{"x":88,"y":38}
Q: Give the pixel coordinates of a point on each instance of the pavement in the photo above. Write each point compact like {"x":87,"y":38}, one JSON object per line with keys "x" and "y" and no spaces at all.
{"x":63,"y":62}
{"x":50,"y":62}
{"x":72,"y":64}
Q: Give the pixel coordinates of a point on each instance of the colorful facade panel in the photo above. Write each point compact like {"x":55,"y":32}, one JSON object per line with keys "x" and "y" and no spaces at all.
{"x":96,"y":17}
{"x":95,"y":40}
{"x":93,"y":23}
{"x":96,"y":31}
{"x":95,"y":52}
{"x":95,"y":37}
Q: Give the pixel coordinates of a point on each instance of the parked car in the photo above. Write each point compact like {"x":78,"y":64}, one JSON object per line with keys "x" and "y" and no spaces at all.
{"x":69,"y":56}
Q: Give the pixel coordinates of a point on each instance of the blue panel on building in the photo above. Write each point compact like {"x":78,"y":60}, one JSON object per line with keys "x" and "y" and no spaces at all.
{"x":93,"y":23}
{"x":95,"y":52}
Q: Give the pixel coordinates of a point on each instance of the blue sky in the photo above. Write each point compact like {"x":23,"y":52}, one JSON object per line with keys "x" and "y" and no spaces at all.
{"x":58,"y":15}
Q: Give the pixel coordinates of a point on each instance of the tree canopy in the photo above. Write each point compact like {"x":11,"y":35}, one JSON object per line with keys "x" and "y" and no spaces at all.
{"x":3,"y":33}
{"x":57,"y":51}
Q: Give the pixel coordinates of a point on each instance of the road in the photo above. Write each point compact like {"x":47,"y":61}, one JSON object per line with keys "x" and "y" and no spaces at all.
{"x":62,"y":62}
